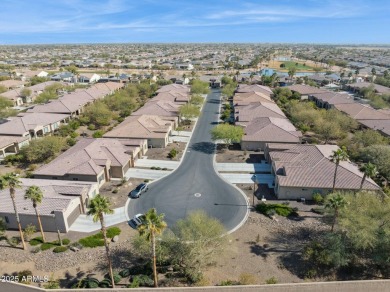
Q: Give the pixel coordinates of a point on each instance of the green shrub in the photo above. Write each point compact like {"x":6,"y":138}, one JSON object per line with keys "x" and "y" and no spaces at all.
{"x":141,"y":280}
{"x":125,"y":273}
{"x":172,"y":153}
{"x":117,"y":277}
{"x":105,"y":283}
{"x":71,"y":141}
{"x":98,"y":134}
{"x":46,"y":246}
{"x":36,"y":241}
{"x":227,"y":283}
{"x":14,"y":241}
{"x":115,"y":191}
{"x":59,"y":249}
{"x":318,"y":199}
{"x":247,"y":279}
{"x":280,"y":209}
{"x":65,"y":241}
{"x":13,"y":158}
{"x":89,"y":283}
{"x":91,"y":127}
{"x":29,"y":231}
{"x":24,"y":276}
{"x":74,"y":124}
{"x":271,"y":280}
{"x":74,"y":134}
{"x":113,"y":231}
{"x":91,"y":241}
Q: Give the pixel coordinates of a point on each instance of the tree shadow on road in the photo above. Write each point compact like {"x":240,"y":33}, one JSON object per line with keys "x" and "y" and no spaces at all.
{"x":204,"y":147}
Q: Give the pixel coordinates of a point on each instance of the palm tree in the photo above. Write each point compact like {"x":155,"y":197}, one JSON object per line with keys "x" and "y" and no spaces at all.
{"x":98,"y":207}
{"x":35,"y":194}
{"x":337,"y":156}
{"x":369,"y":170}
{"x":153,"y":224}
{"x":335,"y":202}
{"x":11,"y":181}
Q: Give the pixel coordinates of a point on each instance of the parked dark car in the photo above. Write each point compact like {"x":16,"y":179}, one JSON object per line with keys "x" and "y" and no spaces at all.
{"x":137,"y":192}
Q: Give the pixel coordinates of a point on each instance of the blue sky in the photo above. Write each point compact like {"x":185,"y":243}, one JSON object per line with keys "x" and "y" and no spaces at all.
{"x":121,"y":21}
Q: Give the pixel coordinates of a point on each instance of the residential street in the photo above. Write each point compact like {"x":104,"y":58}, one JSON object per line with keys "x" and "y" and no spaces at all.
{"x":195,"y":185}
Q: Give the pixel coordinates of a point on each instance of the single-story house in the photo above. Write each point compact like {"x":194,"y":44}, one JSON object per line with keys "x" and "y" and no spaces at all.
{"x":250,"y":97}
{"x":305,"y":90}
{"x":328,"y":100}
{"x":260,"y":131}
{"x":246,"y":113}
{"x":63,"y":202}
{"x":159,"y":108}
{"x":179,"y":97}
{"x":11,"y":145}
{"x":32,"y":125}
{"x":303,"y":170}
{"x":357,"y":87}
{"x":155,"y":129}
{"x":360,"y":111}
{"x":382,"y":126}
{"x":244,"y":88}
{"x":175,"y":88}
{"x":95,"y":160}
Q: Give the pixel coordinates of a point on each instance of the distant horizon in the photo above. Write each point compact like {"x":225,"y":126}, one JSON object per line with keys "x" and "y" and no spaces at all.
{"x":332,"y":22}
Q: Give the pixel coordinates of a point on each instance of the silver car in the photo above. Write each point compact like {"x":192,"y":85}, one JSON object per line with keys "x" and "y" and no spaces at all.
{"x":136,"y":221}
{"x":137,"y":192}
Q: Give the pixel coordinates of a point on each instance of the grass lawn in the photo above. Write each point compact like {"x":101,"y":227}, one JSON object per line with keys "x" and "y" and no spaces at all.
{"x":300,"y":66}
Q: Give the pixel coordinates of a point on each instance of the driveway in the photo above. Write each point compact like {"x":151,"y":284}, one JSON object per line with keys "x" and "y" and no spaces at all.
{"x":244,"y":167}
{"x":195,"y":185}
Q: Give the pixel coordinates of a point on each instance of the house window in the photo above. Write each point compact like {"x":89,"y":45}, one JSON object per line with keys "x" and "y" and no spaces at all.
{"x":75,"y":178}
{"x":54,"y":177}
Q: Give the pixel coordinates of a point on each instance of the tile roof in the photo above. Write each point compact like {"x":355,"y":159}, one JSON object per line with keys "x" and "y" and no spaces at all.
{"x":310,"y":166}
{"x":268,"y":129}
{"x":174,"y":87}
{"x":244,"y":88}
{"x":88,"y":157}
{"x":6,"y":141}
{"x":159,"y":108}
{"x":378,"y":125}
{"x":362,"y":112}
{"x":333,"y":97}
{"x":378,"y":88}
{"x":21,"y":125}
{"x":305,"y":89}
{"x":144,"y":126}
{"x":251,"y":111}
{"x":249,"y":97}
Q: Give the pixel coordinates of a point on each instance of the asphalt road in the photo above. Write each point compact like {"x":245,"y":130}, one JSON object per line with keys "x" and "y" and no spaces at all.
{"x":195,"y":185}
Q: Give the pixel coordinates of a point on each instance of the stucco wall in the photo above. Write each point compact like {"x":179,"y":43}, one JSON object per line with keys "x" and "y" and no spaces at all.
{"x":293,"y":193}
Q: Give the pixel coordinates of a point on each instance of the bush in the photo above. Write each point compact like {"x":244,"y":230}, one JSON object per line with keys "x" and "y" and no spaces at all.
{"x":117,"y":277}
{"x":105,"y":283}
{"x":13,"y":158}
{"x":65,"y":241}
{"x":74,"y":134}
{"x":228,"y":283}
{"x":91,"y":127}
{"x":280,"y":209}
{"x":113,"y":231}
{"x":98,"y":134}
{"x":89,"y":283}
{"x":46,"y":246}
{"x":32,"y":167}
{"x":141,"y":280}
{"x":29,"y":231}
{"x":115,"y":191}
{"x":271,"y":280}
{"x":74,"y":124}
{"x":59,"y":249}
{"x":172,"y":153}
{"x":24,"y":276}
{"x":36,"y":241}
{"x":125,"y":273}
{"x":13,"y":241}
{"x":71,"y":141}
{"x":318,"y":199}
{"x":91,"y":241}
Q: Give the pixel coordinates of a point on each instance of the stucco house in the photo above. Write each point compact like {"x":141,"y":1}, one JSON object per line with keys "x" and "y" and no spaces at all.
{"x":156,"y":129}
{"x":262,"y":130}
{"x":302,"y":170}
{"x":94,"y":160}
{"x":63,"y":202}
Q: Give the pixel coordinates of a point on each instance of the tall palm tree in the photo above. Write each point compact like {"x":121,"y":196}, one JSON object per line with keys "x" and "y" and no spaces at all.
{"x":335,"y":202}
{"x":11,"y":181}
{"x":153,"y":224}
{"x":35,"y":194}
{"x":337,"y":156}
{"x":98,"y":207}
{"x":369,"y":170}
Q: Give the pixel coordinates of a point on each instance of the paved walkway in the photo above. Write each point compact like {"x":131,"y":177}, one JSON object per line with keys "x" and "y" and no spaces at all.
{"x":244,"y":167}
{"x":157,"y":163}
{"x":182,"y":133}
{"x":245,"y":178}
{"x":85,"y":223}
{"x":145,"y":173}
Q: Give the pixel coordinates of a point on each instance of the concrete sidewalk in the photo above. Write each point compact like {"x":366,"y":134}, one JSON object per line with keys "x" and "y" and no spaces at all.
{"x":157,"y":163}
{"x":145,"y":173}
{"x":85,"y":223}
{"x":243,"y":167}
{"x":243,"y":178}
